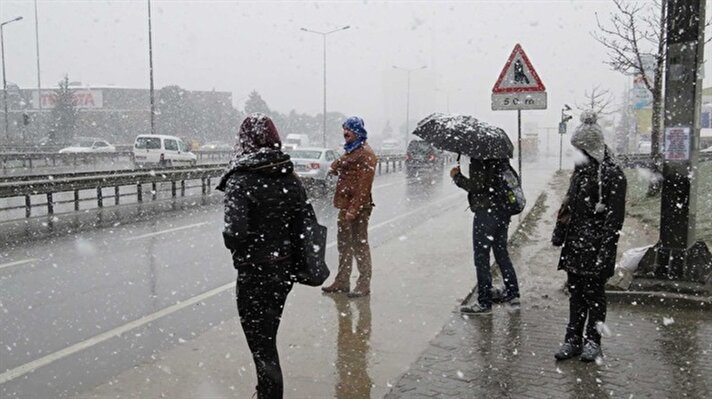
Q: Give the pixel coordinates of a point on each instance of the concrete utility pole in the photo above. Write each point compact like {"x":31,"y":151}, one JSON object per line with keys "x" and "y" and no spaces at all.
{"x":679,"y":255}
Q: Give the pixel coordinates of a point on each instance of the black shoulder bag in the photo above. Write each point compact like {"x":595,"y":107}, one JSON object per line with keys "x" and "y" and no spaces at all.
{"x":308,"y":239}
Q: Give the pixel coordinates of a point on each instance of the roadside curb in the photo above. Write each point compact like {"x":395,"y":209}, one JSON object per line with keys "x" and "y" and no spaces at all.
{"x":645,"y":298}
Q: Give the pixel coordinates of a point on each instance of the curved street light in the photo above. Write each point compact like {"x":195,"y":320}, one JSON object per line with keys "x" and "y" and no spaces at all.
{"x":323,"y":35}
{"x":407,"y":100}
{"x":4,"y":81}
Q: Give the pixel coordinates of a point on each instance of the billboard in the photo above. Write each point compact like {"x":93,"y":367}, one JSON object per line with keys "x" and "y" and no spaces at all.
{"x":84,"y":98}
{"x":641,"y":97}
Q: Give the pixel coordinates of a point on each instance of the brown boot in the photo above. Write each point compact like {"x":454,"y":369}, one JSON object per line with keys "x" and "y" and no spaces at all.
{"x":335,"y":288}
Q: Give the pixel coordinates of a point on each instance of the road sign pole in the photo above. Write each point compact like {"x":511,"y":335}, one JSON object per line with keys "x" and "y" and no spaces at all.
{"x":519,"y":141}
{"x":561,"y":148}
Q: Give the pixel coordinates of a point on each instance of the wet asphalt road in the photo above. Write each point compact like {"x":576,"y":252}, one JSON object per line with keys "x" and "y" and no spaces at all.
{"x":63,"y":300}
{"x":77,"y":309}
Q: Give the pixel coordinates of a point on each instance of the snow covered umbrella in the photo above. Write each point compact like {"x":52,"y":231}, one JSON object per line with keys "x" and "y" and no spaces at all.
{"x":464,"y":134}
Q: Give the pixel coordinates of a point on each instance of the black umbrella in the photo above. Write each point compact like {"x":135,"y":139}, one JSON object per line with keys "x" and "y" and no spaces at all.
{"x":464,"y":134}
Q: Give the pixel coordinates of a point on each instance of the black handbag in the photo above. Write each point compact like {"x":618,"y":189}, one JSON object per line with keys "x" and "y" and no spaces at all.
{"x":308,"y":248}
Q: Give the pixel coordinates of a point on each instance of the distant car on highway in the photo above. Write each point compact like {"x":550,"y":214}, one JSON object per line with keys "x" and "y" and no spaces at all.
{"x":88,"y":145}
{"x":216,"y":146}
{"x":421,"y":158}
{"x":161,"y":150}
{"x":312,"y":165}
{"x":390,"y":146}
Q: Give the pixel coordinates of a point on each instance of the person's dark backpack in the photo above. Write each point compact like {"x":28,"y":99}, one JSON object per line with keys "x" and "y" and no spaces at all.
{"x":308,"y":239}
{"x":512,"y":193}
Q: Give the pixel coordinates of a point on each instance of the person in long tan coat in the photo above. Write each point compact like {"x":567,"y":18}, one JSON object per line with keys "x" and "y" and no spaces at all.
{"x":356,"y":170}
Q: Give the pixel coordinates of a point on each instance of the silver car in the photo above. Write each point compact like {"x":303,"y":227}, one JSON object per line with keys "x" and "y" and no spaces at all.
{"x":312,"y":165}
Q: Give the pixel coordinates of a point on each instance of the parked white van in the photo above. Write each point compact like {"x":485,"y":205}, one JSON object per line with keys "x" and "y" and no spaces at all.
{"x":157,"y":149}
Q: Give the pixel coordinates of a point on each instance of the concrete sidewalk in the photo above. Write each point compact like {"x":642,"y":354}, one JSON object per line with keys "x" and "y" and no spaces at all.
{"x":649,"y":351}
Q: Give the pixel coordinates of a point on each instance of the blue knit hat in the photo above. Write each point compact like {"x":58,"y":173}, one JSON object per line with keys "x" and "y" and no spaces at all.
{"x":356,"y":125}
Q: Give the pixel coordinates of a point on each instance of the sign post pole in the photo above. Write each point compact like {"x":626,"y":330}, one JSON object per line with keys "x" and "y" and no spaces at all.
{"x":519,"y":140}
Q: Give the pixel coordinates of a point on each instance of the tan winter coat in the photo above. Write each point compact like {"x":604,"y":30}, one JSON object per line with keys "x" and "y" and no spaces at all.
{"x":356,"y":171}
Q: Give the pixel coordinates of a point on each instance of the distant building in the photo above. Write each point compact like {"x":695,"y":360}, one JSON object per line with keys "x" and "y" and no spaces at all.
{"x":116,"y":114}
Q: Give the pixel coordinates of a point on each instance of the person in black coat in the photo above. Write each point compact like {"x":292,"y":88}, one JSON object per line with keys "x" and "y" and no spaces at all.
{"x":588,"y":227}
{"x":262,"y":196}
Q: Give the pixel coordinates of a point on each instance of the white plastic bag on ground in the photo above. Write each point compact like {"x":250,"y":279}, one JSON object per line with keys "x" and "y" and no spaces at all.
{"x":623,"y":275}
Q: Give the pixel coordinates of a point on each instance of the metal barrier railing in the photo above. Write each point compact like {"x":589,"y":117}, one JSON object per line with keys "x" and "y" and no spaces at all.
{"x":31,"y":160}
{"x":50,"y":185}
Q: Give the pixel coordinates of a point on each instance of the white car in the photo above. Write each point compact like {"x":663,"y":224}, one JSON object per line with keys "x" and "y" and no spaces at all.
{"x":161,"y":150}
{"x":88,"y":145}
{"x":312,"y":165}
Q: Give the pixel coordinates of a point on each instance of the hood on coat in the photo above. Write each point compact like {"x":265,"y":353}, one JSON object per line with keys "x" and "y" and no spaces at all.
{"x":266,"y":161}
{"x":257,"y":131}
{"x":588,"y":137}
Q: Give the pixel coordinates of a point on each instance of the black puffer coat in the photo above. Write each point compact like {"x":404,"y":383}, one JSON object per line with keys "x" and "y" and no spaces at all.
{"x":590,"y":237}
{"x":262,"y":195}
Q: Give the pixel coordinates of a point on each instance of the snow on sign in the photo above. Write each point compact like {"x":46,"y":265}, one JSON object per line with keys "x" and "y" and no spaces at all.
{"x":518,"y":85}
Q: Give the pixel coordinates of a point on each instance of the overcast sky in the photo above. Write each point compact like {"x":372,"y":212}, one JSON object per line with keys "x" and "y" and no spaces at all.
{"x":241,"y":46}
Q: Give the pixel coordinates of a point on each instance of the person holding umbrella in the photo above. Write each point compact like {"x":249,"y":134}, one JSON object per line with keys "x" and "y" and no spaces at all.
{"x":489,"y":149}
{"x":490,"y":227}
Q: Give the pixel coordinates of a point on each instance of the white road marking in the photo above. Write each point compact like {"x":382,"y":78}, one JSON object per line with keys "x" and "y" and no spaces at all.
{"x":19,"y":371}
{"x":45,"y":360}
{"x":380,"y":186}
{"x":166,"y":231}
{"x":17,"y":263}
{"x":391,"y":220}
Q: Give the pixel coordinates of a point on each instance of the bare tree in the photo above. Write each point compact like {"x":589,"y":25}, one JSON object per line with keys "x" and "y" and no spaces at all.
{"x":597,"y":100}
{"x":635,"y":32}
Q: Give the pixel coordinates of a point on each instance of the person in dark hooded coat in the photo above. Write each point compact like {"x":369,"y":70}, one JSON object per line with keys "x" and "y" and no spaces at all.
{"x":588,"y":227}
{"x":262,"y":196}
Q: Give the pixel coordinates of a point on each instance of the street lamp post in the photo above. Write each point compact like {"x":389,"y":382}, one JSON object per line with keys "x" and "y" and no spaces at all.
{"x":4,"y":81}
{"x":323,"y":35}
{"x":407,"y":98}
{"x":39,"y":83}
{"x":150,"y":72}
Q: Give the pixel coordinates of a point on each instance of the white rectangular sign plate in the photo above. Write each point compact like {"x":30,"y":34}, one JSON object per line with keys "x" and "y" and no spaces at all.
{"x":677,"y":143}
{"x":515,"y":101}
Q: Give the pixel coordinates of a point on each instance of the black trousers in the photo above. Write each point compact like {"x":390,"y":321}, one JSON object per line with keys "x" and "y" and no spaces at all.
{"x":261,"y":295}
{"x":587,"y":301}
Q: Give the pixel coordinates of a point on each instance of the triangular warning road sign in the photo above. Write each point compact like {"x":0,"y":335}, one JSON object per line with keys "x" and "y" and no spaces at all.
{"x":518,"y":75}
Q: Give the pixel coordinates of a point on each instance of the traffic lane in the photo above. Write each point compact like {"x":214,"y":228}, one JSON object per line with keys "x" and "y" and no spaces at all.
{"x":121,"y":360}
{"x":331,"y":346}
{"x":94,"y":282}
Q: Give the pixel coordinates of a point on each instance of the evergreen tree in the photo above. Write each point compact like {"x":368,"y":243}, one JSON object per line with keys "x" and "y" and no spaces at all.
{"x":175,"y":114}
{"x":255,"y":103}
{"x":64,"y":113}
